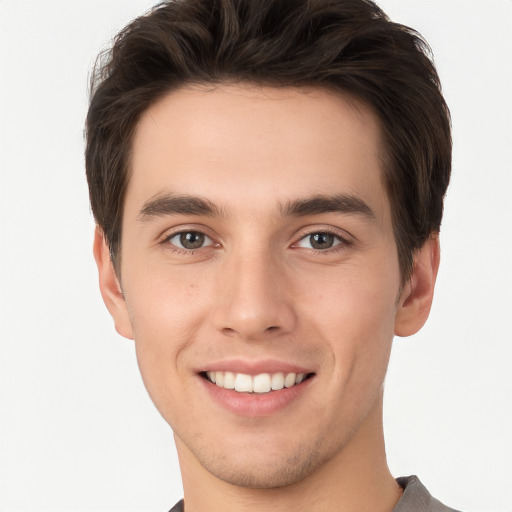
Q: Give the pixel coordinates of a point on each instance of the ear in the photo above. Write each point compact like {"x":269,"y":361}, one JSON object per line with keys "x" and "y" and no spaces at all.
{"x":110,"y":287}
{"x":416,"y":297}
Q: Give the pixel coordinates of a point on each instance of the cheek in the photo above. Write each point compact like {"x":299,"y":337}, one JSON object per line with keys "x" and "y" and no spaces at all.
{"x":162,"y":298}
{"x":166,"y":310}
{"x":355,"y":311}
{"x":353,"y":301}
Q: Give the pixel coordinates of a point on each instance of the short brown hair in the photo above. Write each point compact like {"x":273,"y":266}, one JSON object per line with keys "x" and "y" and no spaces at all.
{"x":349,"y":46}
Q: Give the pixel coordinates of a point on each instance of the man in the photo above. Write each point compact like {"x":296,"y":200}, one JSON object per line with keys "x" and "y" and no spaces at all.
{"x":267,"y":180}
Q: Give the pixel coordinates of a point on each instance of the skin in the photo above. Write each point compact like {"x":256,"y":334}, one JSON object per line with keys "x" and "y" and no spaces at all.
{"x":257,"y":290}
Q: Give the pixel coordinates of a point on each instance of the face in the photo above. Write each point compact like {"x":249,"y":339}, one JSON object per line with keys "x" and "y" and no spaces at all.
{"x":260,"y":276}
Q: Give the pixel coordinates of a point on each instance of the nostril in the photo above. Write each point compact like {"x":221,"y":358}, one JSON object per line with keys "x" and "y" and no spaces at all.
{"x":228,"y":331}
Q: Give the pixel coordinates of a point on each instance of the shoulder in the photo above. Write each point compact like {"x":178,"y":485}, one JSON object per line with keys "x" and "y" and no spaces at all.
{"x":178,"y":507}
{"x":416,"y":498}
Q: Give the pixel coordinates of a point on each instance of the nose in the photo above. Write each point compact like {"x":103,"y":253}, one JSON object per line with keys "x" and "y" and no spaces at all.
{"x":254,"y":298}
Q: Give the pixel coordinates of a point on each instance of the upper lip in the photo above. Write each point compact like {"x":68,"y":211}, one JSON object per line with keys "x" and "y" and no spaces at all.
{"x":253,"y":367}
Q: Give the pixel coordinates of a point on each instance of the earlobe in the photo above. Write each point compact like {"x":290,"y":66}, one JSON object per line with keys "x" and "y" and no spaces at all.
{"x":416,"y":297}
{"x":110,"y":287}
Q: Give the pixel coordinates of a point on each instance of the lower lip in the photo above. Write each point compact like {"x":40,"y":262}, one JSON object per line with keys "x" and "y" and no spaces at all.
{"x":255,"y":404}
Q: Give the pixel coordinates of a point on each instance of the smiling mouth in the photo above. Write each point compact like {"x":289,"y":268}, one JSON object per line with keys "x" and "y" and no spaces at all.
{"x":261,"y":383}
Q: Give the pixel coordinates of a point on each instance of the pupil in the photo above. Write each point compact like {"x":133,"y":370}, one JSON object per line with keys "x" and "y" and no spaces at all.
{"x":192,"y":240}
{"x":321,"y":240}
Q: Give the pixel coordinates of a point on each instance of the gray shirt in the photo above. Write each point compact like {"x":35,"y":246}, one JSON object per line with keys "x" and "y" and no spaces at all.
{"x":415,"y":498}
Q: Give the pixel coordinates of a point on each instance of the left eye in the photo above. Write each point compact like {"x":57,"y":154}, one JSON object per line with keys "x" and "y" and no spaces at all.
{"x":319,"y":241}
{"x":190,"y":240}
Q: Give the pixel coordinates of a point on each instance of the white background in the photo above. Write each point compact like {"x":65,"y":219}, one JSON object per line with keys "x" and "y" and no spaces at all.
{"x":77,"y":431}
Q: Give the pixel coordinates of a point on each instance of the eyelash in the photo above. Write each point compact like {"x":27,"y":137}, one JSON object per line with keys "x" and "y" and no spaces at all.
{"x":182,"y":250}
{"x":342,"y":242}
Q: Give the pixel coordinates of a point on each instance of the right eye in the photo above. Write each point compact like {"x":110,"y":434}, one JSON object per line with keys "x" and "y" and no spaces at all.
{"x":189,"y":240}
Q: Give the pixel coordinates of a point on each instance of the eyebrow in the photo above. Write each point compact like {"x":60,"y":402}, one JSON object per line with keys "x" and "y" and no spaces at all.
{"x":338,"y":203}
{"x":168,"y":204}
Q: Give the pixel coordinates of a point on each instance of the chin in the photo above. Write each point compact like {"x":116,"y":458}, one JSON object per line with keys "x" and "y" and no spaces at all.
{"x":263,"y":476}
{"x":259,"y":469}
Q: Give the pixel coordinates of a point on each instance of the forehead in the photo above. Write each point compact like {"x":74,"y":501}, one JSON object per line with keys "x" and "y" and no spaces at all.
{"x":243,"y":145}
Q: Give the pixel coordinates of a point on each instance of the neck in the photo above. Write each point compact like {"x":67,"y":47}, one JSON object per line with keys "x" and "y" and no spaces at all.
{"x":355,"y":479}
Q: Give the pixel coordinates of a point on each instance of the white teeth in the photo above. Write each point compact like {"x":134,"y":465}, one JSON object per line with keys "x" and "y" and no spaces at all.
{"x":243,"y":383}
{"x":262,"y":383}
{"x":289,"y":380}
{"x":229,"y":380}
{"x":277,"y":381}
